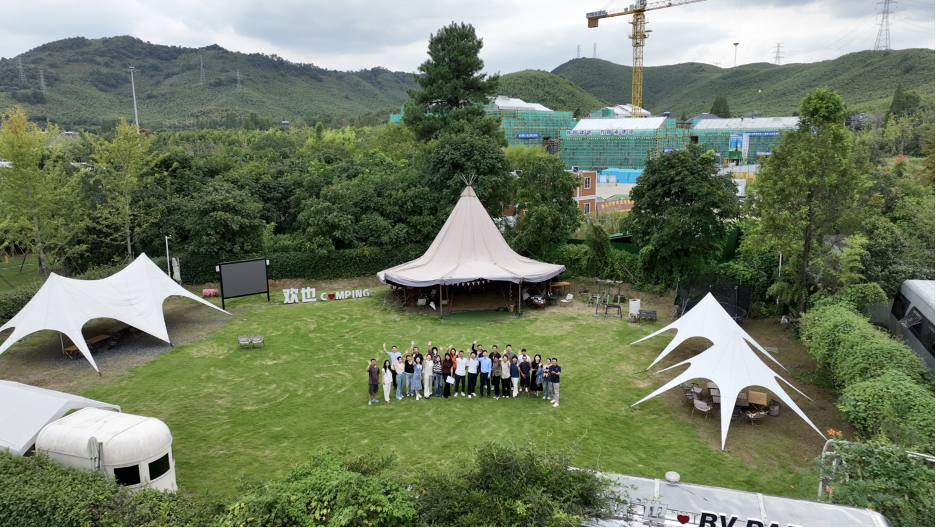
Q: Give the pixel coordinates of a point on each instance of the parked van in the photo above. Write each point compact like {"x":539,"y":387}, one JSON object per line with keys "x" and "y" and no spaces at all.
{"x":136,"y":450}
{"x":912,"y":315}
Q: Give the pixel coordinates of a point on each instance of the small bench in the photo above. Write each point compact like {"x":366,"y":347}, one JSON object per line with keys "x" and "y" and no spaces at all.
{"x":647,"y":315}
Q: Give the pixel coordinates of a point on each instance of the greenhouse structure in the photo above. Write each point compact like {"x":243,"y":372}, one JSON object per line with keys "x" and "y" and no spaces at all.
{"x":596,"y":144}
{"x":528,"y":124}
{"x":741,"y":139}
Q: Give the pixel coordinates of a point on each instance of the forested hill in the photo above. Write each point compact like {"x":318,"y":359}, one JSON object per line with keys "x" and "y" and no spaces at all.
{"x":87,"y":85}
{"x":866,"y":80}
{"x":552,"y":91}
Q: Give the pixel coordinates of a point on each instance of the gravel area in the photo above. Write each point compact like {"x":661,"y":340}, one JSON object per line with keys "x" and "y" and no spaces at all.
{"x":40,"y":362}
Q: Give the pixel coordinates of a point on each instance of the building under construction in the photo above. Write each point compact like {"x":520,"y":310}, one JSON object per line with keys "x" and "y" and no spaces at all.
{"x":741,"y":140}
{"x":597,"y":144}
{"x":529,"y":124}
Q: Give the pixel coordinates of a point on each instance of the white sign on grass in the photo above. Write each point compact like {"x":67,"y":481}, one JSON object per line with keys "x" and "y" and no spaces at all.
{"x":308,"y":294}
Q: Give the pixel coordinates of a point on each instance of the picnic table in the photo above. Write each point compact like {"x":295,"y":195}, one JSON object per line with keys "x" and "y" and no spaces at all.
{"x":68,"y":351}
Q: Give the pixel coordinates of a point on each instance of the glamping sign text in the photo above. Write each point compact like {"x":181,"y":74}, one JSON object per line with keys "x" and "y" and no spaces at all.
{"x":308,"y":294}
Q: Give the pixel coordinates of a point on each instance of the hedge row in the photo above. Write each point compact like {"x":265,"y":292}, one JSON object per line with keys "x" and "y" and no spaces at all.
{"x":341,"y":264}
{"x":884,"y":389}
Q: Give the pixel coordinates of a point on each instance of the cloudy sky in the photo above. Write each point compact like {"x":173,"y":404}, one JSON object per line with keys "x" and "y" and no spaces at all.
{"x":518,"y":34}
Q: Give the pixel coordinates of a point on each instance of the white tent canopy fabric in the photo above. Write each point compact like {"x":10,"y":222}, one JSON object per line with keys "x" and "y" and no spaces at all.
{"x":133,"y":295}
{"x":706,"y":319}
{"x":25,"y":410}
{"x":469,"y":247}
{"x":730,"y":362}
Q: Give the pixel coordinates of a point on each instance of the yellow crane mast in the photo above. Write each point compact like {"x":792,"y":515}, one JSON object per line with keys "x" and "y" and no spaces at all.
{"x":639,"y":35}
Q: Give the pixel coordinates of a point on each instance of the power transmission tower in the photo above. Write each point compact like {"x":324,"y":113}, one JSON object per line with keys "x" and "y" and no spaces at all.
{"x":883,"y":37}
{"x":578,"y":52}
{"x":136,"y":116}
{"x":201,"y":68}
{"x":778,"y":52}
{"x":238,"y":80}
{"x":595,"y":50}
{"x":42,"y":81}
{"x":22,"y":74}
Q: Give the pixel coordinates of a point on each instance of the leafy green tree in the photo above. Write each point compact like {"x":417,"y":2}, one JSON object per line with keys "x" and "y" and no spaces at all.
{"x":898,"y":132}
{"x":505,"y":485}
{"x":546,"y":206}
{"x":123,"y":165}
{"x":469,"y":157}
{"x":453,"y":89}
{"x":223,"y":221}
{"x":682,"y":212}
{"x":720,"y":106}
{"x":806,"y":188}
{"x":903,"y":104}
{"x":40,"y":208}
{"x":329,"y":490}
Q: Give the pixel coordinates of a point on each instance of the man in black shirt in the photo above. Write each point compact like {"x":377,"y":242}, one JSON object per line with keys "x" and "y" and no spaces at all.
{"x":554,"y":371}
{"x":373,"y":380}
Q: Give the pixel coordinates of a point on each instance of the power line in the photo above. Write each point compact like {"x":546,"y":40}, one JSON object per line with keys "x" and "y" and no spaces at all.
{"x":778,"y":52}
{"x":883,"y":37}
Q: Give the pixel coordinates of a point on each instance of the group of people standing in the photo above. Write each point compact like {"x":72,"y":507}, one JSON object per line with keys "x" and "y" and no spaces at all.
{"x":450,"y":373}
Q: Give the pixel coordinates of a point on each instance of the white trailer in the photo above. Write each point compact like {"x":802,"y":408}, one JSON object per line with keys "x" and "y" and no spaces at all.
{"x":912,"y":316}
{"x":136,"y":450}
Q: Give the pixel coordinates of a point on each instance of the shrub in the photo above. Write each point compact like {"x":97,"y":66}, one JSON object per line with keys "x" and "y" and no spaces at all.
{"x":11,"y":303}
{"x":329,"y":490}
{"x":881,"y":477}
{"x":894,"y":406}
{"x":852,"y":348}
{"x":503,"y":485}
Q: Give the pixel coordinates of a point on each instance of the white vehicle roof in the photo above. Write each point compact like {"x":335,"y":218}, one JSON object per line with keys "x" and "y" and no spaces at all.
{"x":25,"y":410}
{"x":686,"y":503}
{"x":126,"y":438}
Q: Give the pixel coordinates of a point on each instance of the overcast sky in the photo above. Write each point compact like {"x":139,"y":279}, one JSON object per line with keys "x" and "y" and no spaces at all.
{"x":518,"y":34}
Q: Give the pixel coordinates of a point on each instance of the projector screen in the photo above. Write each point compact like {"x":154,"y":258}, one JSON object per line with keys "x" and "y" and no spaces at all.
{"x":244,"y":277}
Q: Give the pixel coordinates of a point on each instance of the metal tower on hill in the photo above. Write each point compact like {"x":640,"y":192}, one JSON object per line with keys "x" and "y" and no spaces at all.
{"x":22,"y":74}
{"x":778,"y":53}
{"x":883,"y":37}
{"x":639,"y":36}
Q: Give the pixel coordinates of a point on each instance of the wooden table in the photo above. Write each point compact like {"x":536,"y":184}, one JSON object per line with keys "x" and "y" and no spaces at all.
{"x":68,"y":351}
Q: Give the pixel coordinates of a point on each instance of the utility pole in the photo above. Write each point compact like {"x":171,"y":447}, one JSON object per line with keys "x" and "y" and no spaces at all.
{"x":595,"y":50}
{"x":22,"y":74}
{"x":778,"y":52}
{"x":201,"y":68}
{"x":735,"y":55}
{"x":136,"y":116}
{"x":883,"y":37}
{"x":42,"y":81}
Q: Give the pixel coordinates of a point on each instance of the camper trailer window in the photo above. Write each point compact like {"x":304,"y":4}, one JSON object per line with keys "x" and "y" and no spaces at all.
{"x":928,"y":337}
{"x":159,"y":467}
{"x":914,"y":322}
{"x":127,"y":476}
{"x":899,"y":309}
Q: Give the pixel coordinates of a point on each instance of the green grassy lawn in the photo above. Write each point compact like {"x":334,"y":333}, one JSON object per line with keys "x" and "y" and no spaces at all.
{"x":10,"y":270}
{"x":258,"y":412}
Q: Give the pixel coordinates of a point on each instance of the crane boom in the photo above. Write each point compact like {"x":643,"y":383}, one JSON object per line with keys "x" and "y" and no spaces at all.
{"x":639,"y":36}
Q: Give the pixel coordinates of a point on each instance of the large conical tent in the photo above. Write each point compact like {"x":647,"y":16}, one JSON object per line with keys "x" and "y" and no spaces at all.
{"x":469,"y":247}
{"x":133,"y":295}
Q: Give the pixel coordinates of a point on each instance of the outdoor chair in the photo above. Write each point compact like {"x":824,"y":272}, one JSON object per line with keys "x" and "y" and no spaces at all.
{"x":256,"y":340}
{"x":758,"y":400}
{"x":568,"y":299}
{"x":244,"y":341}
{"x":702,"y":406}
{"x":609,"y":304}
{"x":742,"y":400}
{"x":716,"y":398}
{"x":421,"y":302}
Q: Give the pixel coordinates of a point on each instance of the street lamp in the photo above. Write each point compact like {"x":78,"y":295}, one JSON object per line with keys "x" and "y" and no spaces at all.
{"x":168,"y":270}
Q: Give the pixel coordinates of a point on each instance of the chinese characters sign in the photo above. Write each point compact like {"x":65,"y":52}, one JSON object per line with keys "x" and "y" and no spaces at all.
{"x":308,"y":294}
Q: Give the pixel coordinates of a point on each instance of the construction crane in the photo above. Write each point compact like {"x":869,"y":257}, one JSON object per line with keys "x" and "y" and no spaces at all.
{"x":639,"y":35}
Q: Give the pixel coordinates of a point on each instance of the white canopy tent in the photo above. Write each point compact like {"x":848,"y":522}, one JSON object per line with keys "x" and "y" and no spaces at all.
{"x":469,"y":247}
{"x":25,"y":410}
{"x":706,"y":319}
{"x":133,"y":295}
{"x":733,"y":366}
{"x":730,"y":362}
